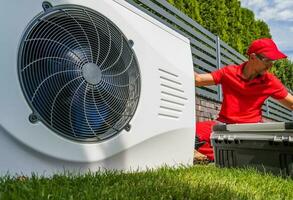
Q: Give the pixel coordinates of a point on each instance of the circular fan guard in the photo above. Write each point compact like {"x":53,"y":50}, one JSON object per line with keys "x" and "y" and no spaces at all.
{"x":78,"y":73}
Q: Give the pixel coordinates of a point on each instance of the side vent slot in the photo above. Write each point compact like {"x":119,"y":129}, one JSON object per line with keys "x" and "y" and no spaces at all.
{"x":173,"y":97}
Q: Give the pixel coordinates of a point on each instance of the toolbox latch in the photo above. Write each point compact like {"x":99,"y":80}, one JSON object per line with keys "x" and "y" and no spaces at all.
{"x":231,"y":138}
{"x":221,"y":137}
{"x":227,"y":139}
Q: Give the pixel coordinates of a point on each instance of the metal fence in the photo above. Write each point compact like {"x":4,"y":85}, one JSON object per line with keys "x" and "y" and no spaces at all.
{"x":208,"y":51}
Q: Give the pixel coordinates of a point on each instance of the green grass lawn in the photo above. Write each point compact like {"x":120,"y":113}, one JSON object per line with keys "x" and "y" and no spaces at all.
{"x":197,"y":182}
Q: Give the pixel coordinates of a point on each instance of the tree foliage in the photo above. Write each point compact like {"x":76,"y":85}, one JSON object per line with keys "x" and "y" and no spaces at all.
{"x":235,"y":25}
{"x":283,"y":69}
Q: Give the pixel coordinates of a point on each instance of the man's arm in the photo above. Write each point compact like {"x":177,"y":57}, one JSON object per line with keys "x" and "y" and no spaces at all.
{"x":287,"y":101}
{"x":203,"y":79}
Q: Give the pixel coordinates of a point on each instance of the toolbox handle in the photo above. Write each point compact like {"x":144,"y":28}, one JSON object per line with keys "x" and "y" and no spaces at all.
{"x":235,"y":137}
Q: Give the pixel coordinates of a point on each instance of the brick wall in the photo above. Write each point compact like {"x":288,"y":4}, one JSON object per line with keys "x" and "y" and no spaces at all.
{"x":207,"y":109}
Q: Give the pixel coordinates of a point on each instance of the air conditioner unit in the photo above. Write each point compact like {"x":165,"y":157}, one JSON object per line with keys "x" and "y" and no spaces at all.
{"x":89,"y":85}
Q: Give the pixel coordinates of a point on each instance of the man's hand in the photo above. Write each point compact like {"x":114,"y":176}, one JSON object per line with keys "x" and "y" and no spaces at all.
{"x":203,"y":79}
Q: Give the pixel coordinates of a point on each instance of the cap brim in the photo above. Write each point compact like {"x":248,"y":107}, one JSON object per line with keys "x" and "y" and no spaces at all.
{"x":274,"y":55}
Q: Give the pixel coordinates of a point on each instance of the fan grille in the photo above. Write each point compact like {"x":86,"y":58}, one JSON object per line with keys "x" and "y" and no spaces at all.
{"x":78,"y":73}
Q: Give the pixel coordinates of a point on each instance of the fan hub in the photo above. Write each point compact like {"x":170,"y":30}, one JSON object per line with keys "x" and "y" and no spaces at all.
{"x":92,"y":73}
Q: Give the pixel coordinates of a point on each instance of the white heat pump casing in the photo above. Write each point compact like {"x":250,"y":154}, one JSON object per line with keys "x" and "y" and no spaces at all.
{"x":162,"y":129}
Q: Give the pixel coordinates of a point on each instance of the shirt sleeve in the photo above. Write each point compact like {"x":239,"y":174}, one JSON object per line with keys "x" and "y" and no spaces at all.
{"x":218,"y":75}
{"x":279,"y":90}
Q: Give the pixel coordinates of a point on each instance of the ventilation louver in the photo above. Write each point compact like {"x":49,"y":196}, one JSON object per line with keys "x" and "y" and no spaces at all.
{"x":79,"y":73}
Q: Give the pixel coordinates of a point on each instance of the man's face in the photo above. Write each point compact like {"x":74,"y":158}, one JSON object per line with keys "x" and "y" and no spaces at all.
{"x":264,"y":64}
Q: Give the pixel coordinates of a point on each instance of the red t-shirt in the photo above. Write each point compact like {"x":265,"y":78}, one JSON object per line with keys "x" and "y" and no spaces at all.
{"x":243,"y":99}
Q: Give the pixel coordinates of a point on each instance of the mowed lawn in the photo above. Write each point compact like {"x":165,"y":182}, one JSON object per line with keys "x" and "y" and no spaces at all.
{"x":195,"y":182}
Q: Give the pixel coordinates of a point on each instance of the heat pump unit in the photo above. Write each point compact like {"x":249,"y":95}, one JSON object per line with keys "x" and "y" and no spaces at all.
{"x":90,"y":85}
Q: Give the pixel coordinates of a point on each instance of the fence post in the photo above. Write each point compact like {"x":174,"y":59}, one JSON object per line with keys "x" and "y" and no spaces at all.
{"x":218,"y":58}
{"x":267,"y":107}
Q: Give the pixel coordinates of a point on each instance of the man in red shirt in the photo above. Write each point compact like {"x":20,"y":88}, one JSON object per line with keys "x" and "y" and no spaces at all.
{"x":245,"y":88}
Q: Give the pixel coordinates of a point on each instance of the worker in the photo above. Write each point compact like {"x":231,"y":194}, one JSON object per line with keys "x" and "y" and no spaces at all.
{"x":245,"y":88}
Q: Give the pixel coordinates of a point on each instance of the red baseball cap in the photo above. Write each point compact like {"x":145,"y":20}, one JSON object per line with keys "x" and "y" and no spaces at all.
{"x":267,"y":48}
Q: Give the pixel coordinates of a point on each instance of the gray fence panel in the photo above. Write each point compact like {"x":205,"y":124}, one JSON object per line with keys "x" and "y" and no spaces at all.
{"x":275,"y":117}
{"x":208,"y":53}
{"x":264,"y":108}
{"x":188,"y":20}
{"x":202,"y":46}
{"x":281,"y":115}
{"x":191,"y":31}
{"x":228,"y":55}
{"x":204,"y":65}
{"x":232,"y":51}
{"x":276,"y":106}
{"x":225,"y":61}
{"x":201,"y":91}
{"x":204,"y":56}
{"x":198,"y":70}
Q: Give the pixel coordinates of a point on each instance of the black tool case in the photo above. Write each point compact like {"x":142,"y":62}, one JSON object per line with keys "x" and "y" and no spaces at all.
{"x":268,"y":147}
